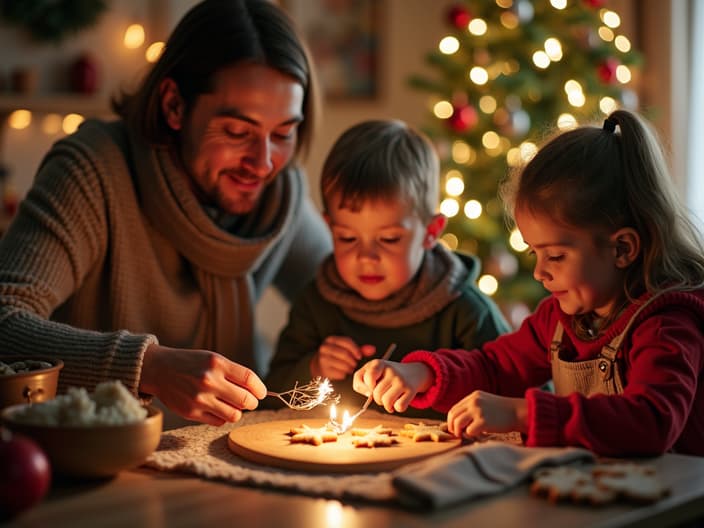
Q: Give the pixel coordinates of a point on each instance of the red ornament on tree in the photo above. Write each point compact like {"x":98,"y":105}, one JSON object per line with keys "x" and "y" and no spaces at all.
{"x":463,"y":118}
{"x":459,"y":16}
{"x":596,"y":4}
{"x":607,"y":70}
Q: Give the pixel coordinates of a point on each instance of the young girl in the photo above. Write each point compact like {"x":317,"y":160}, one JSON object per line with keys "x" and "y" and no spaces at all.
{"x":621,"y":334}
{"x":388,"y":280}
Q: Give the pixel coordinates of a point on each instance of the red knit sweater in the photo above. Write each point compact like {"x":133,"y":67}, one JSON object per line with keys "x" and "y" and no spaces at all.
{"x":662,"y":362}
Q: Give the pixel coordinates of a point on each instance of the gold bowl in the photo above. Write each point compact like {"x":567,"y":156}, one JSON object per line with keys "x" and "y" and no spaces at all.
{"x":33,"y":386}
{"x":92,"y":451}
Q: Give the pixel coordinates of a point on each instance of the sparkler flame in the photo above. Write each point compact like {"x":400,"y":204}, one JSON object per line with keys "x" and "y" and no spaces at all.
{"x":318,"y":391}
{"x":347,"y":420}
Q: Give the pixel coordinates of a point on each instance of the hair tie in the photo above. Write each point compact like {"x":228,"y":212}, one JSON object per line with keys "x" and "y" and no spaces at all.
{"x":610,"y":125}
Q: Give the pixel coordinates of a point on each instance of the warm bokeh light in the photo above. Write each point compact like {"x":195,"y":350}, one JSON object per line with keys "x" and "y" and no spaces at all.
{"x":623,"y":74}
{"x":541,"y":59}
{"x":488,"y":284}
{"x":606,"y":34}
{"x":478,"y":75}
{"x":154,"y":51}
{"x":134,"y":36}
{"x":449,"y":207}
{"x":454,"y":186}
{"x":451,"y":241}
{"x":513,"y":157}
{"x":566,"y":121}
{"x":572,"y":86}
{"x":528,"y":150}
{"x":576,"y":99}
{"x":487,"y":104}
{"x":19,"y":119}
{"x":51,"y":124}
{"x":610,"y":18}
{"x":622,"y":44}
{"x":490,"y":140}
{"x":509,"y":20}
{"x":449,"y":45}
{"x":443,"y":109}
{"x":558,"y":4}
{"x":607,"y":104}
{"x":515,"y":240}
{"x":71,"y":123}
{"x":477,"y":27}
{"x":472,"y":209}
{"x":554,"y":49}
{"x":462,"y":153}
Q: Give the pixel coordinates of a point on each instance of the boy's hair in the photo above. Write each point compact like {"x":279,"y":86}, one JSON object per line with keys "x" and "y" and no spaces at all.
{"x":382,"y":159}
{"x":594,"y":177}
{"x":214,"y":35}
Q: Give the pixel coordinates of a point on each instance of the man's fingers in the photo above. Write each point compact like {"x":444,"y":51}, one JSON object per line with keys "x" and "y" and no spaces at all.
{"x":245,"y":378}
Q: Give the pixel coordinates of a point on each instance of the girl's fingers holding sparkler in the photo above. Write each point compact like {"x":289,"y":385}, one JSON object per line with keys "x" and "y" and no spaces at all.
{"x":366,"y":377}
{"x":392,"y":395}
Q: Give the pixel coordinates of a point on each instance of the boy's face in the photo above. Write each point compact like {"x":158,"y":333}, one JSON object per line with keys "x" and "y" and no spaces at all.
{"x":379,"y":248}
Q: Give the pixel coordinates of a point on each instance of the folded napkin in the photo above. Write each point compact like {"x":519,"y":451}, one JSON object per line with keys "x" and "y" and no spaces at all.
{"x":476,"y":470}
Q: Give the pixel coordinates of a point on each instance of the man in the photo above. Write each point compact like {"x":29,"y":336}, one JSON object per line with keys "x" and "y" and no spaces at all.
{"x":144,"y":244}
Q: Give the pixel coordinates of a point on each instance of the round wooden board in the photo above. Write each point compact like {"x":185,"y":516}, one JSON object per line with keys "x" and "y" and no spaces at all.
{"x":269,"y":443}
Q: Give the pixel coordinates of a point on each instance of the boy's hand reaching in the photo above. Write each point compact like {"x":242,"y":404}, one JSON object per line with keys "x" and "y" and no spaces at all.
{"x":482,"y":412}
{"x":338,"y":356}
{"x":393,"y":385}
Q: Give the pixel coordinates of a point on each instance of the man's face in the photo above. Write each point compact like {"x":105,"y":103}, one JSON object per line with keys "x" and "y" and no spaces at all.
{"x":236,"y":139}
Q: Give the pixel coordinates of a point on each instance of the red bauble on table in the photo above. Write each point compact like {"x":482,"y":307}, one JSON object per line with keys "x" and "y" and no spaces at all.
{"x":459,"y":16}
{"x":25,"y":474}
{"x":463,"y":118}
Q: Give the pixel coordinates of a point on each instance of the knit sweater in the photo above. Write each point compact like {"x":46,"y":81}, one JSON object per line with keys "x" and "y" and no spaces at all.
{"x":439,"y":308}
{"x":110,"y":252}
{"x":661,"y":362}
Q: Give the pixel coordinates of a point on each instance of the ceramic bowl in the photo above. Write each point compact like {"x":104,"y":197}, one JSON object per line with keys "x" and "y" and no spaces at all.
{"x":33,"y":386}
{"x":92,"y":451}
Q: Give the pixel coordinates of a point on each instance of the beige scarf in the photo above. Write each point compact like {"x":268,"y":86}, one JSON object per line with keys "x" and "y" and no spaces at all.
{"x":438,"y":282}
{"x":222,"y":262}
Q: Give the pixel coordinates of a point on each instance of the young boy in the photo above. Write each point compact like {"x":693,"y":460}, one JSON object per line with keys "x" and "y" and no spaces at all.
{"x":388,"y":280}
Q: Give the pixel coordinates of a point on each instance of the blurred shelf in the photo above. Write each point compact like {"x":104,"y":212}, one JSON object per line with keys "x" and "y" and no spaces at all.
{"x":86,"y":105}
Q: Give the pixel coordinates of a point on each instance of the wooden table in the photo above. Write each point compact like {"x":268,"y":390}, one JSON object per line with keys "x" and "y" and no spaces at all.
{"x":147,"y":498}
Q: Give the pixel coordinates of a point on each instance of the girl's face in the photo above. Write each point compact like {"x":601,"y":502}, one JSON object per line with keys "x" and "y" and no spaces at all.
{"x":582,"y":275}
{"x":238,"y":137}
{"x":379,"y":248}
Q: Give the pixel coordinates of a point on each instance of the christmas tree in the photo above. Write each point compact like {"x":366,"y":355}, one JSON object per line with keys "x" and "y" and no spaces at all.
{"x":508,"y":72}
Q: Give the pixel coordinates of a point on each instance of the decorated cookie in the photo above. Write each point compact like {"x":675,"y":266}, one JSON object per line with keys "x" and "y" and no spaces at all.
{"x":379,"y":430}
{"x":422,"y":432}
{"x":310,"y":435}
{"x":374,"y":439}
{"x":601,"y":484}
{"x":560,"y":483}
{"x":634,"y":482}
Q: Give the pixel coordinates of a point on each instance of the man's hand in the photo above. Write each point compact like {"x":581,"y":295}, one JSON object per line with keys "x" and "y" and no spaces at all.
{"x":199,"y":384}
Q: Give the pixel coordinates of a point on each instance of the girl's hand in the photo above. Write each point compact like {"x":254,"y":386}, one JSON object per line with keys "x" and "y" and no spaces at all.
{"x":393,"y":385}
{"x":338,"y":357}
{"x":482,"y":412}
{"x":199,"y":384}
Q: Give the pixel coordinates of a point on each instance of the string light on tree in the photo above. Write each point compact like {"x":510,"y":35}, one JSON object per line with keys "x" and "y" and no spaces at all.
{"x":505,"y":72}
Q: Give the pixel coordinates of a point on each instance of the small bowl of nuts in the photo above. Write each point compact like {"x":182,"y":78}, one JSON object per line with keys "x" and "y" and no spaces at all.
{"x":28,"y":379}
